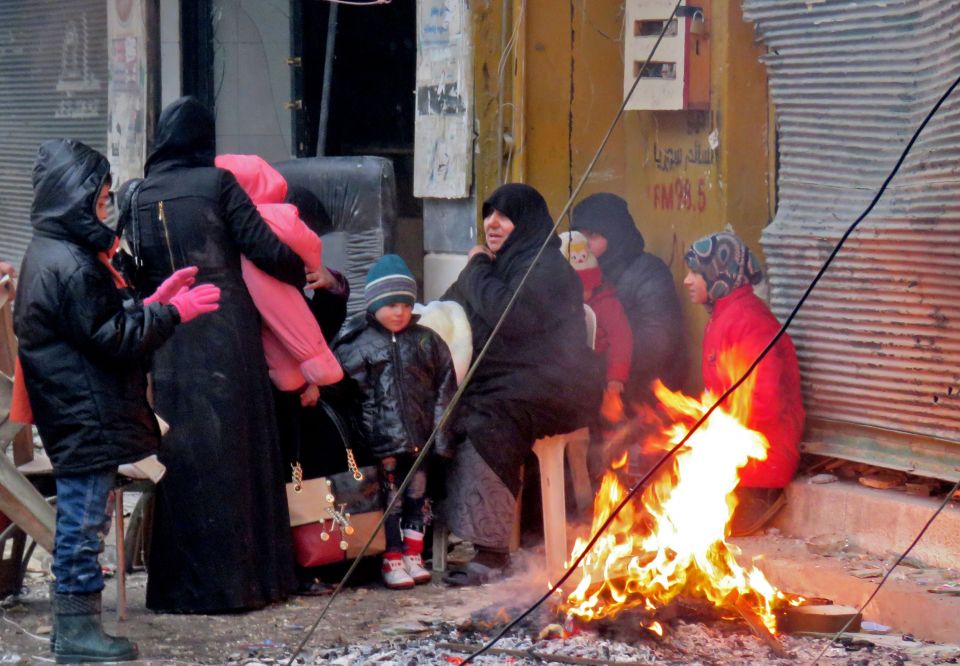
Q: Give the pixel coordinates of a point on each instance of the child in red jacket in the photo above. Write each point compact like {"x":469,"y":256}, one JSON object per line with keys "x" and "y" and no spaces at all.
{"x":722,"y":272}
{"x":614,"y":338}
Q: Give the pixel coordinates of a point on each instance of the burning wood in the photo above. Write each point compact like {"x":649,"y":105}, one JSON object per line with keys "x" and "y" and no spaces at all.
{"x":757,"y":626}
{"x":672,"y":540}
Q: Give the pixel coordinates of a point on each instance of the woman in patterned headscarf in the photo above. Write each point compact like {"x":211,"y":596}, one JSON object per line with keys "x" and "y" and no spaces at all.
{"x":722,"y":273}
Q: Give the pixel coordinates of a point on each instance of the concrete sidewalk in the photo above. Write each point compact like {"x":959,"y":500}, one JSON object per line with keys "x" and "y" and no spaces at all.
{"x":904,"y":605}
{"x":862,"y":531}
{"x":875,"y":520}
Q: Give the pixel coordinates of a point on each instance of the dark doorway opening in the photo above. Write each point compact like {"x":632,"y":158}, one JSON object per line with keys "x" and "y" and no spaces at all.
{"x":371,"y":97}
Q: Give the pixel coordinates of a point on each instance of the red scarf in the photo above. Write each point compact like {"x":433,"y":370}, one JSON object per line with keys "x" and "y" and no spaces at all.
{"x":105,"y":258}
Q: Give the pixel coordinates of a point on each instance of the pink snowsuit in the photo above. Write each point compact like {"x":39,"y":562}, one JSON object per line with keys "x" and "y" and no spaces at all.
{"x":294,"y":347}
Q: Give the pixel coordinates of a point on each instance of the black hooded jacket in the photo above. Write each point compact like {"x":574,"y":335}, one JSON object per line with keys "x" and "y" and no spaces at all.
{"x":645,"y":288}
{"x":405,"y":380}
{"x":83,"y":353}
{"x":539,"y":377}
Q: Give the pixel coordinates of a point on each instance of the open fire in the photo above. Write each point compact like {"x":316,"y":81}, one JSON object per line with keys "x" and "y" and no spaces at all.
{"x":672,"y":540}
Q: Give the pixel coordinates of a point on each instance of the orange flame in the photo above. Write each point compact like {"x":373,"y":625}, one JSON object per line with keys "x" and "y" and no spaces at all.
{"x":671,"y":540}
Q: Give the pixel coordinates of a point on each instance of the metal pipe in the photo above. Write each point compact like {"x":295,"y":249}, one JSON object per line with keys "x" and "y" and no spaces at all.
{"x":327,"y":78}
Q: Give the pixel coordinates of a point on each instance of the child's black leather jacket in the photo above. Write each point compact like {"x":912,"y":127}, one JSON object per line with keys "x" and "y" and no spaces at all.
{"x":406,"y":380}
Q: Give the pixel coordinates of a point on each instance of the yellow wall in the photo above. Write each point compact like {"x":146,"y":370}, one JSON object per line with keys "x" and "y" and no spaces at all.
{"x":563,"y":124}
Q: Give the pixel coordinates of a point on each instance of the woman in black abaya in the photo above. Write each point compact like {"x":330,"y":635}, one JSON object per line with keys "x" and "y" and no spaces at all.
{"x":538,"y":378}
{"x":221,"y":539}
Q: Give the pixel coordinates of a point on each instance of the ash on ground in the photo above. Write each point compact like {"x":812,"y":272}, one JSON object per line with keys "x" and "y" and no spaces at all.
{"x":369,"y":624}
{"x":685,"y":643}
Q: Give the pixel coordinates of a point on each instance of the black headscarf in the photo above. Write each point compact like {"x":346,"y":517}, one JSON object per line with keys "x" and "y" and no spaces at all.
{"x":67,"y":179}
{"x":186,"y":136}
{"x":607,"y":214}
{"x":528,"y":211}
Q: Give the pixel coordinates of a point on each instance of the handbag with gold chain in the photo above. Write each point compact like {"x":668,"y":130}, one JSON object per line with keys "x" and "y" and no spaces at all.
{"x":332,"y":516}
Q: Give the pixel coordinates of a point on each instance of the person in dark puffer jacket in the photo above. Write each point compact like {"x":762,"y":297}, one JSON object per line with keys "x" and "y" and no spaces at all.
{"x":83,"y":350}
{"x":405,"y":375}
{"x":646,"y":289}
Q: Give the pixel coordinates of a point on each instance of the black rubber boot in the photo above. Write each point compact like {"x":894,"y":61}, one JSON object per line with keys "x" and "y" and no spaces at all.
{"x":80,"y":636}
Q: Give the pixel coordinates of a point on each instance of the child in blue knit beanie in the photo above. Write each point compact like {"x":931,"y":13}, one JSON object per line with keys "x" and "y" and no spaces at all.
{"x":405,"y":376}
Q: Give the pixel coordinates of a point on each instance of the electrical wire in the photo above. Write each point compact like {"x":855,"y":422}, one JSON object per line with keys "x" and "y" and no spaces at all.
{"x":359,"y":3}
{"x":479,"y":358}
{"x":783,"y":329}
{"x":504,"y":174}
{"x":943,"y":505}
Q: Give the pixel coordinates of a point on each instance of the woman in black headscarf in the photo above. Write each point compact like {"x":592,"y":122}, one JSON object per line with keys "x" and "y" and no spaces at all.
{"x":537,"y":379}
{"x":221,"y":539}
{"x":646,"y":289}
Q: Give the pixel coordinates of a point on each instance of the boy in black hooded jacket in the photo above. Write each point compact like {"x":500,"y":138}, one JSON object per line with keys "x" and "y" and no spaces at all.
{"x":83,"y":351}
{"x":406,"y":379}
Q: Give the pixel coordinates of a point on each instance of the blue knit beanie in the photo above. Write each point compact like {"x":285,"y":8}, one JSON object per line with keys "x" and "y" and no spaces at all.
{"x":389,"y":281}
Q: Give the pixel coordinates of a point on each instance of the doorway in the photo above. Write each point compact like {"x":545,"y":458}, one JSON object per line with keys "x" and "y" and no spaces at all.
{"x":371,"y":96}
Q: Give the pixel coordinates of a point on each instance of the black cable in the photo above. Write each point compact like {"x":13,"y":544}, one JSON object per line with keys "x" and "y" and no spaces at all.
{"x":473,"y":367}
{"x":943,"y":504}
{"x":783,"y":329}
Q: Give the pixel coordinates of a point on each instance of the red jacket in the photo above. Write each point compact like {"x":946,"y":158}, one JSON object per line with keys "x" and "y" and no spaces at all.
{"x":614,"y":337}
{"x":740,"y":326}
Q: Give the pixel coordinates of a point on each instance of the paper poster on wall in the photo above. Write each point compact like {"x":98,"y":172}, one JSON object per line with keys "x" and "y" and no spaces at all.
{"x":443,"y":154}
{"x":126,"y":133}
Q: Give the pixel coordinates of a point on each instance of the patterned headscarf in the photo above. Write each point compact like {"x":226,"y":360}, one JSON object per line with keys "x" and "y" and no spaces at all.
{"x":725,"y":263}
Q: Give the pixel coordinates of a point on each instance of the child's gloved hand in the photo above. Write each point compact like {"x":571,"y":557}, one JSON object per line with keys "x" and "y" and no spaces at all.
{"x":191,"y":303}
{"x":172,"y":286}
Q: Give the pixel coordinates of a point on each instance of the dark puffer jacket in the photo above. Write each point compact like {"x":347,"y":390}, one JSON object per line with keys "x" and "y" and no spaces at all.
{"x":83,"y":352}
{"x":406,"y":381}
{"x":647,"y":291}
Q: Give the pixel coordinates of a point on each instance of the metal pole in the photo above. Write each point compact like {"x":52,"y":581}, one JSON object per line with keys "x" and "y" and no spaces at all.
{"x":327,"y":77}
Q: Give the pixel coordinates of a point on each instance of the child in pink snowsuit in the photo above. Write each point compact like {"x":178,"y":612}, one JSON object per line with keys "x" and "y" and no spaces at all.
{"x":297,"y":355}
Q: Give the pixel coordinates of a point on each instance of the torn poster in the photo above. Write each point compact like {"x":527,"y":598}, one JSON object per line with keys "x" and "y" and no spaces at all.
{"x":443,"y":164}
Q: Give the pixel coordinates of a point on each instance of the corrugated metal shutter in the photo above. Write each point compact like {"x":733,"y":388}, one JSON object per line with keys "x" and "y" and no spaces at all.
{"x":879,"y":339}
{"x":53,"y":83}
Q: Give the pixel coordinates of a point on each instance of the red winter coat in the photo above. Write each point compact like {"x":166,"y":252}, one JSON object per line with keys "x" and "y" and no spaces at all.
{"x":614,"y":337}
{"x":293,"y":345}
{"x":741,"y":323}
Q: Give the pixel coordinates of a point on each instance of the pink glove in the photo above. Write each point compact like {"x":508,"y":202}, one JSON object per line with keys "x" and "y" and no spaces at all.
{"x":185,"y":277}
{"x":191,"y":303}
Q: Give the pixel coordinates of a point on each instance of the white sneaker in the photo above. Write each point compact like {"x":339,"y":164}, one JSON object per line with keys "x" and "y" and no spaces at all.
{"x":395,"y":575}
{"x":413,"y":564}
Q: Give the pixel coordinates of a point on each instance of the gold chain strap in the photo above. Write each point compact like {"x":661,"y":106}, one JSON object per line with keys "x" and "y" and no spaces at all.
{"x":161,"y":213}
{"x":297,"y":477}
{"x":352,"y":464}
